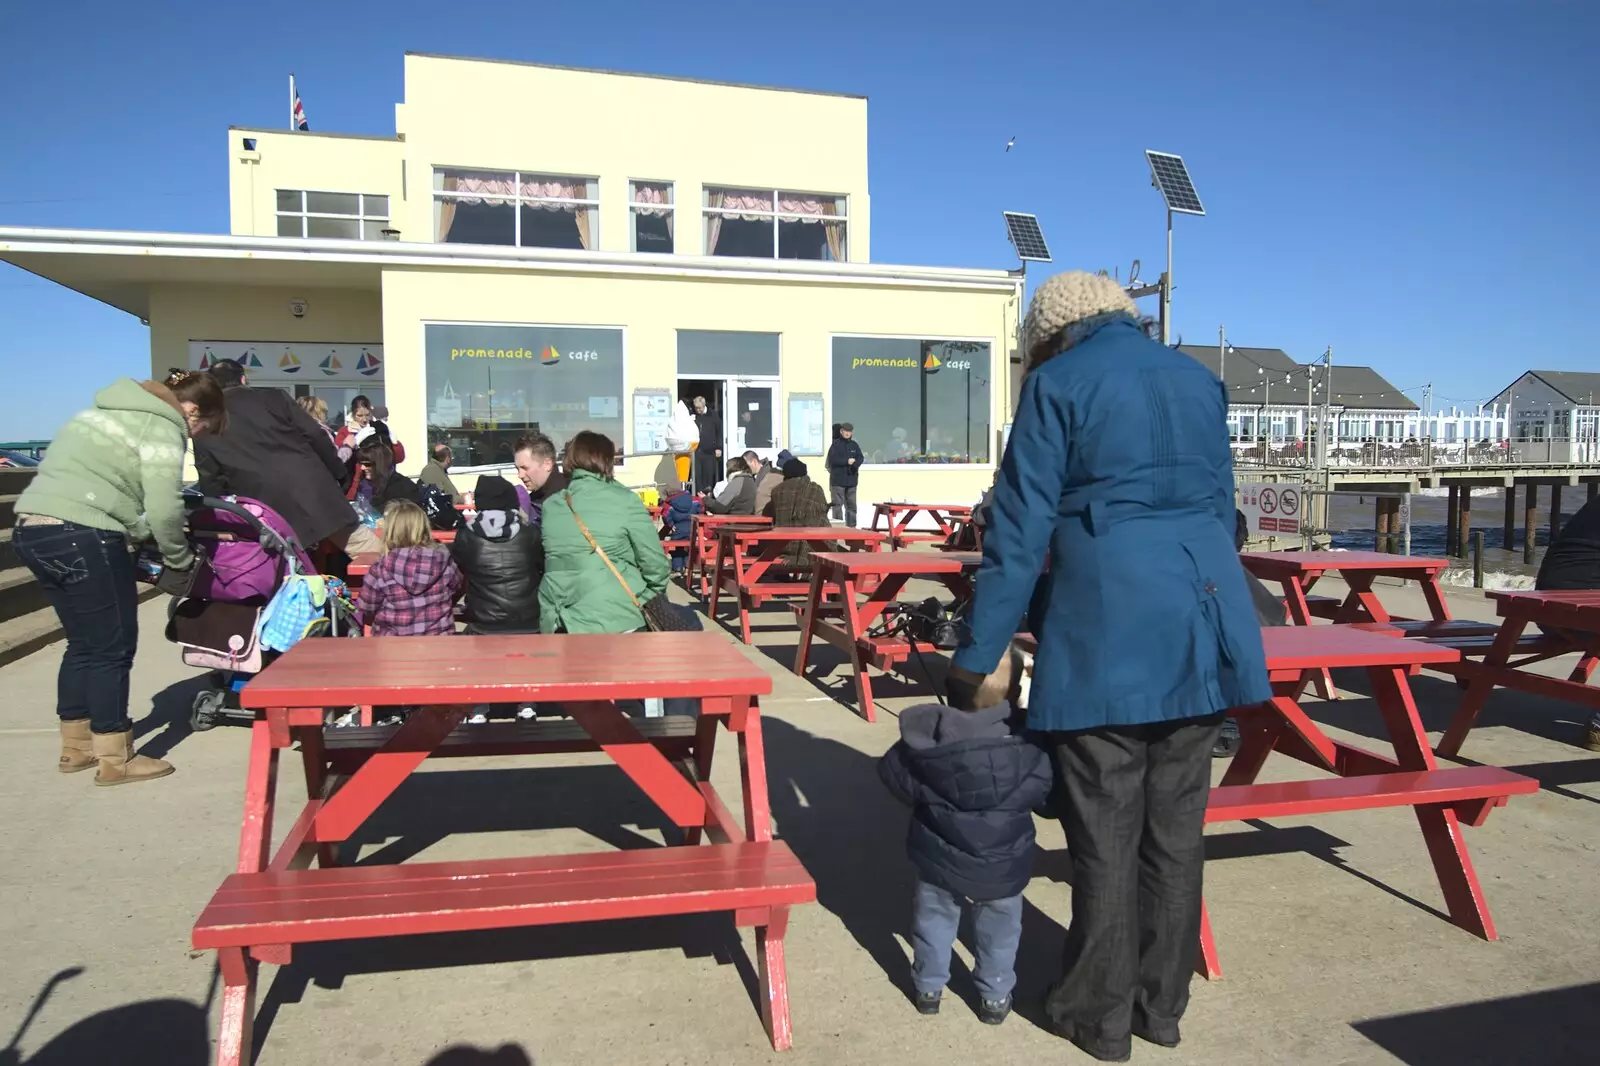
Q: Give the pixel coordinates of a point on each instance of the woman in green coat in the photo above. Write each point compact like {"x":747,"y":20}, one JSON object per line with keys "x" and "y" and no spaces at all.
{"x":579,"y":593}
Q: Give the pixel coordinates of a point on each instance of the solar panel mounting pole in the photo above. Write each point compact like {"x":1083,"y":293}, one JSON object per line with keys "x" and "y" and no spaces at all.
{"x":1166,"y":288}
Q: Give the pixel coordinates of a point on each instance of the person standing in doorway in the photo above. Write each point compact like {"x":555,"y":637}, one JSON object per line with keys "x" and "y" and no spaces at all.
{"x":708,"y":453}
{"x":844,"y":473}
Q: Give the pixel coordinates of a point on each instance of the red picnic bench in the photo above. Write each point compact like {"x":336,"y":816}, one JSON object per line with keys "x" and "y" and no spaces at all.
{"x":850,"y":573}
{"x":746,"y":558}
{"x":274,"y":900}
{"x":1363,"y":780}
{"x":895,"y":519}
{"x":1504,"y":653}
{"x":1442,"y":798}
{"x":702,"y":546}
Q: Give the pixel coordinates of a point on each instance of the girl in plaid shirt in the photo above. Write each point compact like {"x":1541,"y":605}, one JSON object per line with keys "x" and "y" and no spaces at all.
{"x":412,"y":589}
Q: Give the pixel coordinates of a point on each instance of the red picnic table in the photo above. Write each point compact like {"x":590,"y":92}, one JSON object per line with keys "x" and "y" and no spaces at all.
{"x":850,"y":573}
{"x":754,"y":552}
{"x":360,"y":563}
{"x":702,"y":544}
{"x":274,"y":901}
{"x":1508,"y":651}
{"x":896,"y":518}
{"x":1442,"y":798}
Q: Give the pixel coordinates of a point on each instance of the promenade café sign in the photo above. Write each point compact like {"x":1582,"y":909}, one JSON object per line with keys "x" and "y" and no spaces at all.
{"x":1272,"y":508}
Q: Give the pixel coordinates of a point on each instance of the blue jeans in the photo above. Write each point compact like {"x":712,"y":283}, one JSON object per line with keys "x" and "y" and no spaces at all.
{"x":996,"y":930}
{"x":88,"y":576}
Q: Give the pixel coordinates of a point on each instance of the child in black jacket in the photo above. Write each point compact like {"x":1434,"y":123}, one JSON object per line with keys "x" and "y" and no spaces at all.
{"x":972,"y":784}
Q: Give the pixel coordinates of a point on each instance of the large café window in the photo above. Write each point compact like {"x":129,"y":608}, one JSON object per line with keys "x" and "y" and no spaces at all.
{"x":487,"y":385}
{"x":914,"y":400}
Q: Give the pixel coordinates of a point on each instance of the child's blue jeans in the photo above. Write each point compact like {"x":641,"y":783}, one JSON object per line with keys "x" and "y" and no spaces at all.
{"x":996,"y":930}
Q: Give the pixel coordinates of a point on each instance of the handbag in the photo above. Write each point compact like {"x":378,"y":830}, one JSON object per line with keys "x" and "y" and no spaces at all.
{"x":661,"y":615}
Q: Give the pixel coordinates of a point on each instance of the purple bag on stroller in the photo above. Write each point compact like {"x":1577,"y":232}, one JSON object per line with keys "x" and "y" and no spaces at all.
{"x":235,"y":567}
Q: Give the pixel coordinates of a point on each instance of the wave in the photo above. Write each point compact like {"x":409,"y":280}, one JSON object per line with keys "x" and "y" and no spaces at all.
{"x":1499,"y":580}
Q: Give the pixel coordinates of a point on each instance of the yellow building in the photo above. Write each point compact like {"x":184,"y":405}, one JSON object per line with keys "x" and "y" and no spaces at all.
{"x":543,"y":248}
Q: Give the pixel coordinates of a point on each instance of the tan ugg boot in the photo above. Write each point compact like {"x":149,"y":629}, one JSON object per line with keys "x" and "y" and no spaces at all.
{"x":77,"y":747}
{"x":120,"y":766}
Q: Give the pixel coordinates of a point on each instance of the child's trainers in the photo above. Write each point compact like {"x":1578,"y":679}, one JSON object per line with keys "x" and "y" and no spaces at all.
{"x":994,"y":1011}
{"x":928,"y":1002}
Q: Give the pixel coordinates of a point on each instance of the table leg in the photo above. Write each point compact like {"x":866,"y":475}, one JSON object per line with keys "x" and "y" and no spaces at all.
{"x":856,"y":621}
{"x":642,"y":761}
{"x":1258,"y":735}
{"x":808,"y":617}
{"x":1440,"y":827}
{"x":773,"y":975}
{"x":1435,"y":597}
{"x":1362,"y":604}
{"x":234,"y":1031}
{"x":716,"y":580}
{"x":753,"y":776}
{"x":1208,"y":965}
{"x":260,"y":793}
{"x":383,"y":771}
{"x":315,"y":761}
{"x":1480,"y":684}
{"x":1294,"y":598}
{"x":705,"y":745}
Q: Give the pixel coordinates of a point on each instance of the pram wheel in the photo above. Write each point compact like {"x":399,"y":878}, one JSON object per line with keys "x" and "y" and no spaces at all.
{"x":209,"y":706}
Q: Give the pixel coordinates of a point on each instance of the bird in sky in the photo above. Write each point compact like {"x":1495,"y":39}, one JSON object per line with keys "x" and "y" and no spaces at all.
{"x":1010,"y":143}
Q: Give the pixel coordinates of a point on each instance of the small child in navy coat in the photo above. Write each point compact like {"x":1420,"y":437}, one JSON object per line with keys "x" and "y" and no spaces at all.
{"x":973,"y":785}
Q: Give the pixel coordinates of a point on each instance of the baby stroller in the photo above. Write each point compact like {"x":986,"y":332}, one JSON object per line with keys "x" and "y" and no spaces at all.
{"x":245,"y":554}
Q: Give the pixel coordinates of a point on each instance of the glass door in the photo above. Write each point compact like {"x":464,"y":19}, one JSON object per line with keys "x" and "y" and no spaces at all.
{"x":753,"y":419}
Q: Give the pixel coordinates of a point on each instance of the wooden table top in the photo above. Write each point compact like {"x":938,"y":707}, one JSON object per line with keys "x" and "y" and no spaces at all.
{"x":805,"y":533}
{"x":1259,"y":563}
{"x":361,"y":562}
{"x":868,"y":563}
{"x":331,"y":672}
{"x":1317,"y":647}
{"x":1578,"y":607}
{"x":898,"y":505}
{"x":730,"y":519}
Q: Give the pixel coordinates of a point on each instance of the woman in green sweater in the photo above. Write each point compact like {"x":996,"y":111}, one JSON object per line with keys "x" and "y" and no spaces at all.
{"x":110,"y":480}
{"x":579,"y":594}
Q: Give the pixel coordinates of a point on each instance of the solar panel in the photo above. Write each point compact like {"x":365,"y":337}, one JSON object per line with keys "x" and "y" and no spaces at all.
{"x":1172,"y":178}
{"x":1025,"y":237}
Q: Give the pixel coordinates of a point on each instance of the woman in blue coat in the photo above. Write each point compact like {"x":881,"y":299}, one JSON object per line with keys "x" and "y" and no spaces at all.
{"x":1118,"y":476}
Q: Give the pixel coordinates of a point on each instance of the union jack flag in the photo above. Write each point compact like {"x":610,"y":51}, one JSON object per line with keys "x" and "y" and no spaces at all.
{"x":297,"y":111}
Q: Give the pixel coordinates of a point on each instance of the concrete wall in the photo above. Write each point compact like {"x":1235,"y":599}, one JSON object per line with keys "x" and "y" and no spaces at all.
{"x":319,"y":162}
{"x":181,"y":313}
{"x":651,"y":310}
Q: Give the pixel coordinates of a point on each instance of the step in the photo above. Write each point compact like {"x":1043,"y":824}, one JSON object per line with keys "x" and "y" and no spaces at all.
{"x":8,"y":554}
{"x":27,"y":633}
{"x":20,"y":593}
{"x":8,"y":509}
{"x":13,"y":479}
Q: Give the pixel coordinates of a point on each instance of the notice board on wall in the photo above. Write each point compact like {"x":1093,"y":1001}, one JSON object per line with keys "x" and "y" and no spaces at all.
{"x":807,"y":427}
{"x":652,"y":411}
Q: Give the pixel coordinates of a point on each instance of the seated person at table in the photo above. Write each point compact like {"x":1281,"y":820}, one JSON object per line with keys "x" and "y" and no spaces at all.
{"x":973,"y":784}
{"x":738,"y":493}
{"x":798,"y":502}
{"x":1573,"y":562}
{"x":501,"y":558}
{"x":412,"y":589}
{"x":676,"y":524}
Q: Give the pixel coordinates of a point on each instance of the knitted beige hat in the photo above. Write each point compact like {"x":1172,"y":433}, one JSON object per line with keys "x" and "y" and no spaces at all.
{"x":1068,"y":298}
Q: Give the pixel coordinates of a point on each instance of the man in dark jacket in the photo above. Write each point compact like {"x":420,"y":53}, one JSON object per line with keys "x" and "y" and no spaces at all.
{"x":844,"y":472}
{"x":535,"y":456}
{"x":274,"y":452}
{"x":708,"y":453}
{"x":501,"y":555}
{"x":1573,"y":562}
{"x":973,"y":787}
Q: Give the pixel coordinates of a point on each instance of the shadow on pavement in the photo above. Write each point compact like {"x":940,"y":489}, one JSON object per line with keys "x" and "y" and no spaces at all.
{"x":1559,"y":1025}
{"x":169,"y":713}
{"x":462,"y":1055}
{"x":155,"y":1032}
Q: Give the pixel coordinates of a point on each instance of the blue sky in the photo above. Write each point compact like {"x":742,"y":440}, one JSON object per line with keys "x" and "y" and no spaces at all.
{"x":1411,"y":181}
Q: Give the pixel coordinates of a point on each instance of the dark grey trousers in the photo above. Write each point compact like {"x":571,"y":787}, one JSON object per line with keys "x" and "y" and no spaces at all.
{"x":1135,"y":812}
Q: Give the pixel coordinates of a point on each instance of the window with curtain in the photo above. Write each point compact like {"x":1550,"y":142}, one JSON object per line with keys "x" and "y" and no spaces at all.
{"x":772,"y":224}
{"x":914,"y":400}
{"x":650,"y":203}
{"x":351,"y":215}
{"x":514,"y":208}
{"x":487,"y":385}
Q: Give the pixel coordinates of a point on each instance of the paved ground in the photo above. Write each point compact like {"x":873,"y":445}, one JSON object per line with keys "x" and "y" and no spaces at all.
{"x":1328,"y":927}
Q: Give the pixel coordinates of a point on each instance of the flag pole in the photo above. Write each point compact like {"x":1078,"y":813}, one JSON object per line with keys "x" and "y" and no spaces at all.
{"x":292,"y":126}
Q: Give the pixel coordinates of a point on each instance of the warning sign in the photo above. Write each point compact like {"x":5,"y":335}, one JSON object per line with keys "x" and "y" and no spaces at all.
{"x":1271,"y":508}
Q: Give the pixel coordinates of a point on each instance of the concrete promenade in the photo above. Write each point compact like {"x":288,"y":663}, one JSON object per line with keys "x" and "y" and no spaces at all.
{"x":1328,"y":927}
